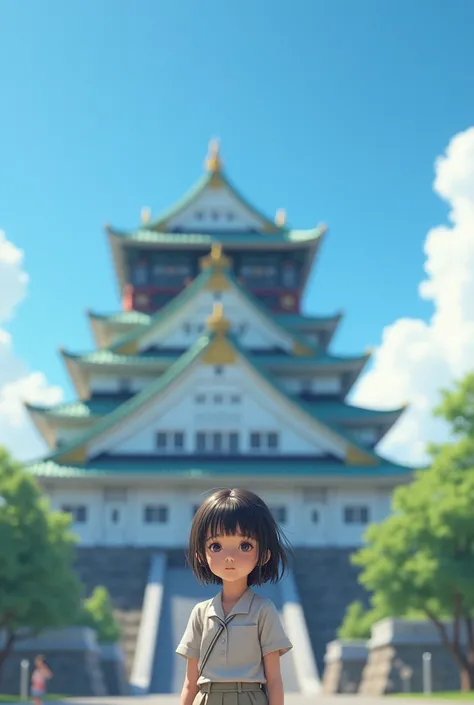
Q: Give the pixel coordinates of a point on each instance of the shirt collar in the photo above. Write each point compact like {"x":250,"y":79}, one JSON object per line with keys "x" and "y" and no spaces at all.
{"x":242,"y":606}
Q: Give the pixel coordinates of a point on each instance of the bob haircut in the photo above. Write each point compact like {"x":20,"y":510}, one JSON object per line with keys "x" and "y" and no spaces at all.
{"x":223,"y":513}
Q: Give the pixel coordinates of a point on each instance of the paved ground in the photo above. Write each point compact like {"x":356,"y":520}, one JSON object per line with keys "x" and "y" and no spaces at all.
{"x":289,"y":700}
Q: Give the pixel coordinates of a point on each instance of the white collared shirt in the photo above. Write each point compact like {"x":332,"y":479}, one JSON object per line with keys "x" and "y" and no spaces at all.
{"x":253,"y":632}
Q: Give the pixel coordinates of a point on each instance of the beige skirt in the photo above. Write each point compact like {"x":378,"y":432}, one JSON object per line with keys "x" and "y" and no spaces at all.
{"x":230,"y":694}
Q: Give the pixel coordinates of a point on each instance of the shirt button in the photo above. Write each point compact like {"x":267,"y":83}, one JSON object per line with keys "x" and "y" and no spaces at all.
{"x":223,"y":640}
{"x":222,"y":653}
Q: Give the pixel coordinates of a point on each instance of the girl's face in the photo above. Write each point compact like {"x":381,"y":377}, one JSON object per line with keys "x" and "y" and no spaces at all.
{"x":231,"y":558}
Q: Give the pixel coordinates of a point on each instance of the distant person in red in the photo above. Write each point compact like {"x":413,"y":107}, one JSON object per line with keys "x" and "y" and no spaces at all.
{"x":40,"y":675}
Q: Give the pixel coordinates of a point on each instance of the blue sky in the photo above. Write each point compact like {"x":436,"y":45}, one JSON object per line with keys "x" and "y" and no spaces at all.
{"x":334,"y":110}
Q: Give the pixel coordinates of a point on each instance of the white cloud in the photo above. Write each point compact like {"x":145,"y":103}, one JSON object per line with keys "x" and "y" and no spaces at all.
{"x":17,"y":383}
{"x":415,"y":359}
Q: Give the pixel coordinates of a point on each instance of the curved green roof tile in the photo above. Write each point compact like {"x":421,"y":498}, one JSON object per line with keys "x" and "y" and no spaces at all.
{"x":193,"y":468}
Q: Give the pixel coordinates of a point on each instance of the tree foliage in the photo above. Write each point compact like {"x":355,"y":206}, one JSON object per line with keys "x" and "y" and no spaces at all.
{"x":98,"y":614}
{"x":421,"y":558}
{"x":358,"y":622}
{"x":38,"y":587}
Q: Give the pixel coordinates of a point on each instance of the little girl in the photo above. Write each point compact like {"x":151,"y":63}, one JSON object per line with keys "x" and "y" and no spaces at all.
{"x":233,"y":642}
{"x":40,"y":675}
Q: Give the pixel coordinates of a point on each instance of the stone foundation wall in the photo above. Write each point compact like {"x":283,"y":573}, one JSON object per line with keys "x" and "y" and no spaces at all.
{"x":72,"y":655}
{"x":397,"y":644}
{"x":344,"y":664}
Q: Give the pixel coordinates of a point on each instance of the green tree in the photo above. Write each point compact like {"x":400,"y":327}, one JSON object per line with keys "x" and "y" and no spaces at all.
{"x":421,"y":558}
{"x":38,"y":587}
{"x":358,"y":621}
{"x":98,"y":614}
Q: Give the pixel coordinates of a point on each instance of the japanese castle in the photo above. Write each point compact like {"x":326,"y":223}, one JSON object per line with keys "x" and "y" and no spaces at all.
{"x":211,"y":376}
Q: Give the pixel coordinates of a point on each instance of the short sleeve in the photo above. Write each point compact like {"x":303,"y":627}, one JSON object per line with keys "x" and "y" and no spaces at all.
{"x":190,"y":644}
{"x":270,"y":630}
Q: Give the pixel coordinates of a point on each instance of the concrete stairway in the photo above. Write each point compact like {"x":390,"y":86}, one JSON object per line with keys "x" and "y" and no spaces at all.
{"x":124,"y":573}
{"x":327,"y":583}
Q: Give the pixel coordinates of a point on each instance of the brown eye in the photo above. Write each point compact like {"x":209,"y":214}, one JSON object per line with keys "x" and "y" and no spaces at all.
{"x":214,"y":547}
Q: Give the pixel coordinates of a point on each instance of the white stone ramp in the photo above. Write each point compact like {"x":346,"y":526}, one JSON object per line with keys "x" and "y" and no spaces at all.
{"x":287,"y":663}
{"x":181,"y":593}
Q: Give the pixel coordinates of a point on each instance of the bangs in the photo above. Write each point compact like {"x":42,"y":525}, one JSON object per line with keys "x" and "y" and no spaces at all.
{"x":230,"y":518}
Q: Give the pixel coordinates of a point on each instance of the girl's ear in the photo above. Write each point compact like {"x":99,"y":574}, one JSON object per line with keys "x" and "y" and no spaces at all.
{"x":267,"y":557}
{"x":200,"y":559}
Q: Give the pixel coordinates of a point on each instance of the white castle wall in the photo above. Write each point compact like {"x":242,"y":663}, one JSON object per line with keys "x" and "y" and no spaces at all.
{"x":181,"y":330}
{"x":299,"y":525}
{"x":177,"y":410}
{"x":215,"y":209}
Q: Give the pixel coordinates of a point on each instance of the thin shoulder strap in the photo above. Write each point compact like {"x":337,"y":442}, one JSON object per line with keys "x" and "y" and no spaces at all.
{"x":213,"y":643}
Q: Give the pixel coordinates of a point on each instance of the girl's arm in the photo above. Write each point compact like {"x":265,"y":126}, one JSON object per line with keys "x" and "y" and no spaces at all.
{"x":190,"y":687}
{"x":271,"y":664}
{"x":47,"y":672}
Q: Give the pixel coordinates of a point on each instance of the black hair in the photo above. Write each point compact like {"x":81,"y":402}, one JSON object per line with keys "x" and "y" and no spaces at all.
{"x":225,"y":511}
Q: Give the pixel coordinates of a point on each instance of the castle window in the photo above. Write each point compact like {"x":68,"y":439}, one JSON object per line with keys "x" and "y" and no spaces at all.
{"x":230,"y":216}
{"x":78,"y":512}
{"x":356,"y":515}
{"x":187,"y":328}
{"x":262,"y":442}
{"x":170,"y":441}
{"x":306,"y":386}
{"x":155,"y":514}
{"x":217,"y":442}
{"x":315,"y":516}
{"x":218,"y":370}
{"x":235,"y":399}
{"x":288,"y":275}
{"x":140,"y":273}
{"x":199,"y":215}
{"x":279,"y":514}
{"x":124,"y":385}
{"x":218,"y":399}
{"x":195,"y":508}
{"x":215,"y":215}
{"x":200,"y":398}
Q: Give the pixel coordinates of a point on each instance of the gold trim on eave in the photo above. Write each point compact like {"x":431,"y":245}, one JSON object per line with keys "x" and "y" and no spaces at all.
{"x":301,"y":350}
{"x":76,"y":456}
{"x":130,"y":348}
{"x":354,"y":456}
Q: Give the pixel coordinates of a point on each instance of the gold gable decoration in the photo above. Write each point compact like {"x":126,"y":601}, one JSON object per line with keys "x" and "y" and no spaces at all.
{"x":215,"y":259}
{"x":213,"y":160}
{"x":220,"y":351}
{"x":280,"y":218}
{"x":216,"y":322}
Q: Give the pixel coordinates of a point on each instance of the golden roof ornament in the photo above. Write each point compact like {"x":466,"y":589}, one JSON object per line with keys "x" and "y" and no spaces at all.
{"x":145,"y":215}
{"x":216,"y":321}
{"x":280,"y":217}
{"x":213,"y":159}
{"x":216,"y":258}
